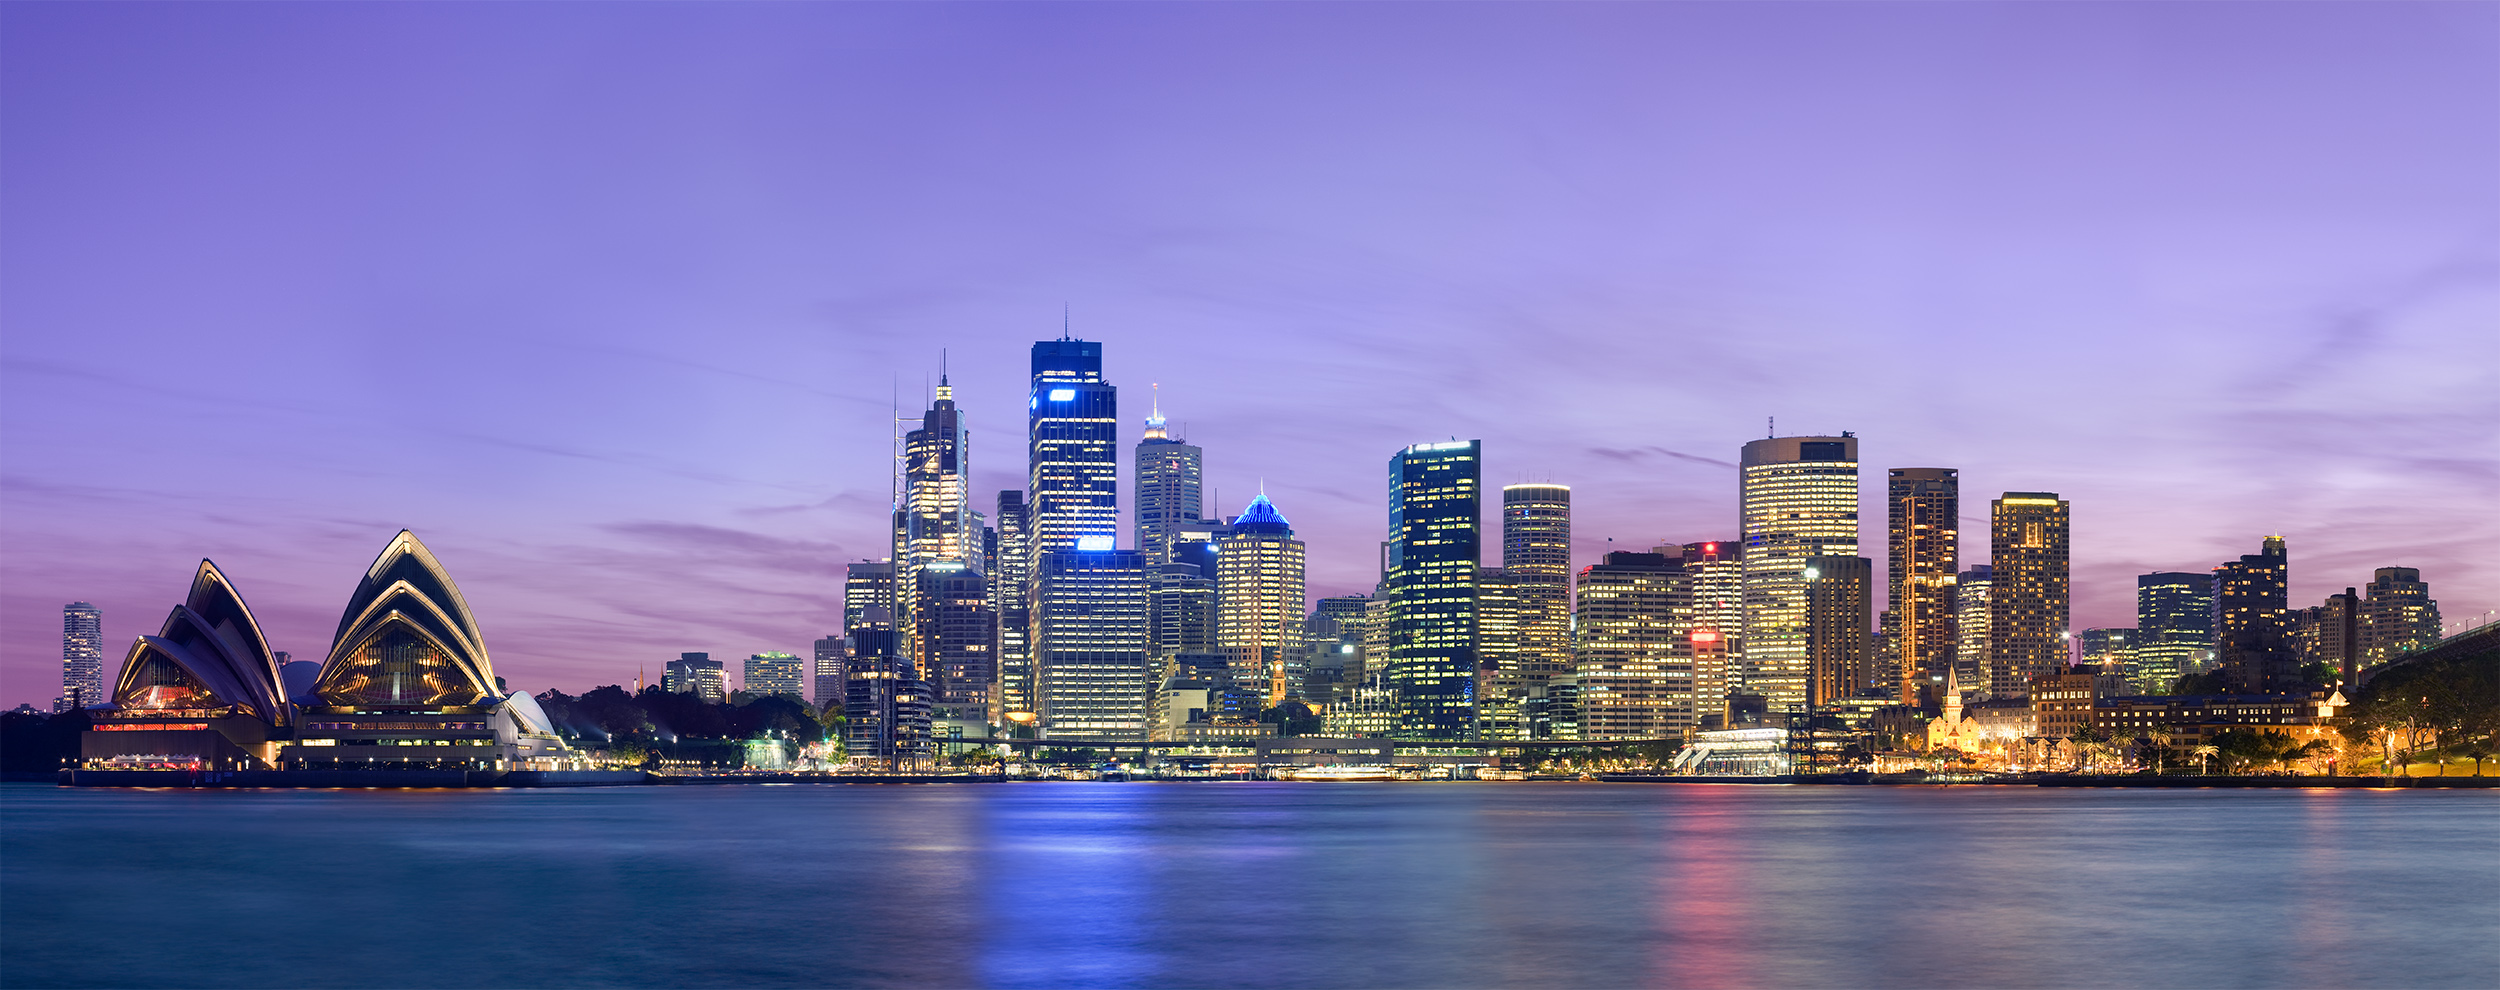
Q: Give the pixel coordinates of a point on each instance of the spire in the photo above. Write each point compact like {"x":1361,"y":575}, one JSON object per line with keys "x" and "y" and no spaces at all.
{"x":1261,"y":516}
{"x":1154,"y":420}
{"x":1063,"y":322}
{"x":944,"y":390}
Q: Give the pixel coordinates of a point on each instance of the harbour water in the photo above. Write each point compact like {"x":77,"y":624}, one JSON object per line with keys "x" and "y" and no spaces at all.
{"x":1251,"y":885}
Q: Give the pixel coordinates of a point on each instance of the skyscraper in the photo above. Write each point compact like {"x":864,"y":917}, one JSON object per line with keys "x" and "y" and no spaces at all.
{"x":772,"y":672}
{"x":2174,"y":627}
{"x":1435,"y":546}
{"x":1170,"y":476}
{"x":2398,"y":617}
{"x":1260,"y":600}
{"x":696,"y":674}
{"x":1839,"y":605}
{"x":1536,"y":560}
{"x":833,"y":653}
{"x":866,"y":584}
{"x":1632,"y":663}
{"x":1970,"y":617}
{"x":1926,"y":517}
{"x":2328,"y":634}
{"x":1718,"y":573}
{"x":958,"y":643}
{"x":1073,"y":432}
{"x":2252,"y":599}
{"x":2027,"y":605}
{"x":934,"y":523}
{"x":1011,"y":596}
{"x":1091,"y":677}
{"x":1797,"y":498}
{"x":82,"y":657}
{"x":1501,"y":693}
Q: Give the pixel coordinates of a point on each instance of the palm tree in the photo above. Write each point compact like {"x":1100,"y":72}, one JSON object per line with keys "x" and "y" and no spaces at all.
{"x":2206,"y":753}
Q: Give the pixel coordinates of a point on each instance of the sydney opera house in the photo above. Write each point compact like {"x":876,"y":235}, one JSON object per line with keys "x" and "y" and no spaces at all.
{"x":407,"y":686}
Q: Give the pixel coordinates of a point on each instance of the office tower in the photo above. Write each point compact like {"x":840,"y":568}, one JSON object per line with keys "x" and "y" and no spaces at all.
{"x":832,"y":653}
{"x":2398,"y":617}
{"x":1631,"y":662}
{"x":1170,"y":475}
{"x":1501,"y":691}
{"x":1073,"y":501}
{"x":82,"y":657}
{"x":1536,"y":555}
{"x":696,"y":674}
{"x":886,"y":704}
{"x":772,"y":672}
{"x":2027,"y":603}
{"x":958,"y":643}
{"x":1926,"y":516}
{"x":1333,"y":644}
{"x":1839,"y":604}
{"x":1717,"y":568}
{"x":867,"y":584}
{"x":2109,"y":652}
{"x":1435,"y":546}
{"x":1089,"y":643}
{"x":1011,"y":596}
{"x":2174,"y":628}
{"x":1797,"y":497}
{"x":934,"y":525}
{"x":1970,"y":619}
{"x":1180,"y":611}
{"x":1259,"y":600}
{"x":2328,"y":635}
{"x":2251,"y":599}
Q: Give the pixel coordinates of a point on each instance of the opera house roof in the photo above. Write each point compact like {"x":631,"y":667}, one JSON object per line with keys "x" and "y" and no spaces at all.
{"x":209,"y":655}
{"x":406,"y":639}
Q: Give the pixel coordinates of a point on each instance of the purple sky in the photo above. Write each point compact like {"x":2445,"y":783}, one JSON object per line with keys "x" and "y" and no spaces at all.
{"x":608,"y":301}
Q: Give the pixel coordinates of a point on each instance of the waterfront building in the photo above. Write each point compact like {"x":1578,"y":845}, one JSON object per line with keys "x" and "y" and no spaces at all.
{"x":2251,"y":610}
{"x":1797,"y":498}
{"x":2110,"y":651}
{"x":82,"y":657}
{"x":2174,"y":622}
{"x":1970,"y":619}
{"x":1260,"y":598}
{"x":203,"y":693}
{"x":2062,"y":699}
{"x":1092,"y":675}
{"x":1434,"y":550}
{"x":2028,"y":596}
{"x":886,"y":723}
{"x":1718,"y":575}
{"x":1011,"y":596}
{"x":1171,"y":474}
{"x":1838,"y":615}
{"x":2398,"y":617}
{"x":773,"y":672}
{"x":958,"y":643}
{"x":1632,"y":665}
{"x":1073,"y":467}
{"x":696,"y":674}
{"x":1925,"y":557}
{"x":832,"y":654}
{"x":1536,"y":559}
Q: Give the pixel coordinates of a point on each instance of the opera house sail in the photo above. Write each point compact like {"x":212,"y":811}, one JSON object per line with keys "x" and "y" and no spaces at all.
{"x":201,"y":694}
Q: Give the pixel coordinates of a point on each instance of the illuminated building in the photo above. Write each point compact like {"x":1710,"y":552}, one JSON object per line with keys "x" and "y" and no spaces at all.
{"x":1970,"y":617}
{"x":2328,"y":634}
{"x":1838,"y":610}
{"x":1501,"y":691}
{"x":1926,"y":517}
{"x":2398,"y":616}
{"x":885,"y":707}
{"x":1260,"y":598}
{"x":934,"y":523}
{"x":2251,"y":608}
{"x":1074,"y":466}
{"x":696,"y":674}
{"x":1091,"y":672}
{"x":203,"y":693}
{"x":958,"y":643}
{"x":2027,"y":599}
{"x":1536,"y":558}
{"x":408,"y":684}
{"x":867,"y":584}
{"x":1332,"y":639}
{"x":1435,"y":546}
{"x":773,"y":672}
{"x":1170,"y":474}
{"x":82,"y":657}
{"x":1180,"y":610}
{"x":1011,"y":591}
{"x":832,"y":654}
{"x":1718,"y":572}
{"x":2174,"y":628}
{"x":1797,"y":498}
{"x":1631,"y":664}
{"x":2062,"y":700}
{"x":2109,"y":651}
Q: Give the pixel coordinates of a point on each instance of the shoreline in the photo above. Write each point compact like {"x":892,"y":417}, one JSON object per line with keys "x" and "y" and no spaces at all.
{"x":333,"y":779}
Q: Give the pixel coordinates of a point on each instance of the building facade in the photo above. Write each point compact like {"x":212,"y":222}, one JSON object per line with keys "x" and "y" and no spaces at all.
{"x":934,"y":523}
{"x":1435,"y":547}
{"x":2029,"y":594}
{"x":1260,"y":599}
{"x":1797,"y":498}
{"x":1171,"y":475}
{"x":1925,"y":558}
{"x":696,"y":674}
{"x":1536,"y":559}
{"x":2174,"y":624}
{"x":2398,"y":617}
{"x":1011,"y":596}
{"x":82,"y":657}
{"x":833,"y":653}
{"x":1717,"y":637}
{"x":1633,"y":662}
{"x":1091,"y":675}
{"x":1072,"y":485}
{"x":2252,"y":598}
{"x":774,"y":672}
{"x":1839,"y":654}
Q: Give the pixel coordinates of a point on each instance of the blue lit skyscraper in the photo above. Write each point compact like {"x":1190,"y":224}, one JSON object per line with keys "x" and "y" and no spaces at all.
{"x":1074,"y":435}
{"x":1436,"y":538}
{"x":1088,"y":599}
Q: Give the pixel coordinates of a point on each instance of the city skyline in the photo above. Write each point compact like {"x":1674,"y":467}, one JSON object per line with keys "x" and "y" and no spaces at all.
{"x":2306,"y":355}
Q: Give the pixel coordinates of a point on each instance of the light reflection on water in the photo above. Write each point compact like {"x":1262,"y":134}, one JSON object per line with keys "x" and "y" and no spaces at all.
{"x":1503,"y":884}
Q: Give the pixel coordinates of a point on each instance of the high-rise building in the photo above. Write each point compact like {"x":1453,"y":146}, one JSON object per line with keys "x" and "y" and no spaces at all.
{"x":1839,"y":603}
{"x":82,"y":657}
{"x":1260,"y":599}
{"x":867,"y":584}
{"x":2109,"y":652}
{"x":1011,"y":596}
{"x":1501,"y":691}
{"x":1435,"y":547}
{"x":1717,"y":568}
{"x":2027,"y":604}
{"x":1073,"y":432}
{"x":1926,"y":516}
{"x":1536,"y":556}
{"x":934,"y":524}
{"x":833,"y":653}
{"x":2174,"y":628}
{"x":2252,"y":599}
{"x":2328,"y":635}
{"x":1970,"y":618}
{"x":1797,"y":498}
{"x":1180,"y":611}
{"x":1632,"y":662}
{"x":696,"y":674}
{"x":958,"y":643}
{"x":2398,"y":617}
{"x":1091,"y":676}
{"x":1334,"y":635}
{"x":886,"y":704}
{"x":773,"y":672}
{"x":1170,"y":477}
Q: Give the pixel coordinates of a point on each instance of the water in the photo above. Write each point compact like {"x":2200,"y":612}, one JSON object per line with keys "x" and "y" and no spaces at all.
{"x":1352,"y":885}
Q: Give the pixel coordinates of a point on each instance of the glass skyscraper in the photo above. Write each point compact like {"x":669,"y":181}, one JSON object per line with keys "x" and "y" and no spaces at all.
{"x":1259,"y":600}
{"x":1073,"y":432}
{"x":1797,"y":498}
{"x":1435,"y":546}
{"x":82,"y":656}
{"x":1170,"y":477}
{"x":1926,"y":518}
{"x":2174,"y":628}
{"x":2027,"y":606}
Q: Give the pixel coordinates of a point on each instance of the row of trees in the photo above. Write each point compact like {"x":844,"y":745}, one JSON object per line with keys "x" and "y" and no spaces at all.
{"x":2430,"y":707}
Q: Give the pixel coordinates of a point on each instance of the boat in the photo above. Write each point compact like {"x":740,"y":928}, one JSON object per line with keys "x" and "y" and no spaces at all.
{"x":1341,"y":773}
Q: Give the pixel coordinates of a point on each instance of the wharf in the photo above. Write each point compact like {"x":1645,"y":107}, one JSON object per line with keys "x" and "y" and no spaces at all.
{"x":827,"y":778}
{"x":353,"y":778}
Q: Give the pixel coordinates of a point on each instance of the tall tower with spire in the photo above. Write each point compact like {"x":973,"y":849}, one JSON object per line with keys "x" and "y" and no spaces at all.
{"x":945,"y":623}
{"x":1260,"y":601}
{"x":1170,"y":478}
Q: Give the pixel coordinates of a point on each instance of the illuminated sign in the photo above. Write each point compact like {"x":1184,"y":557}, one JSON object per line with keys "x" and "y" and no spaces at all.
{"x":1449,"y":445}
{"x":1093,"y":544}
{"x":1062,"y":394}
{"x":1705,"y":636}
